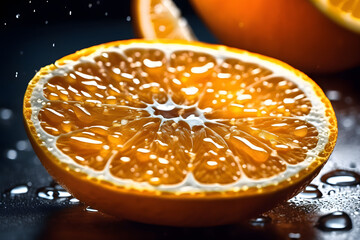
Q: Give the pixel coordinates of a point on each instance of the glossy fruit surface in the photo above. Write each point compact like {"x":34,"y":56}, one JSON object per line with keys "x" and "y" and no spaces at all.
{"x":178,"y":133}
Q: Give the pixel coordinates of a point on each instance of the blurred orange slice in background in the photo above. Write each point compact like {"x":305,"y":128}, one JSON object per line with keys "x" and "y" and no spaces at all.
{"x":344,"y":12}
{"x":160,"y":19}
{"x":293,"y":31}
{"x":178,"y":133}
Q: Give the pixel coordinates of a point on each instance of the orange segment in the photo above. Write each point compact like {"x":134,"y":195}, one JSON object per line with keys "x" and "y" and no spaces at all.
{"x":160,"y":19}
{"x":162,"y":119}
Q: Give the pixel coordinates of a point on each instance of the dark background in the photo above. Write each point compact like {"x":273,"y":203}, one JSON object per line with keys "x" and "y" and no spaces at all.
{"x":34,"y":34}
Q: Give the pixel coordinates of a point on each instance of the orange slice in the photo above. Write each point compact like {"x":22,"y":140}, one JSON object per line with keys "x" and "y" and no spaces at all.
{"x":160,"y":19}
{"x":344,"y":12}
{"x":178,"y":133}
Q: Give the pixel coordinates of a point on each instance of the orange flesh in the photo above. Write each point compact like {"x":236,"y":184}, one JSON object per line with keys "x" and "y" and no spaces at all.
{"x":115,"y":112}
{"x":352,"y":7}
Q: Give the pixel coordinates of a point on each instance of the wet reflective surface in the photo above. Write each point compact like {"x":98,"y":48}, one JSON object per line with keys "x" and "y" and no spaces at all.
{"x":33,"y":207}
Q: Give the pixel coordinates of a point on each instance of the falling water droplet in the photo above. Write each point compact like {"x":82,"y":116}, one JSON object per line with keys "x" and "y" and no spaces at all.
{"x":11,"y":154}
{"x":128,"y":18}
{"x":106,"y":13}
{"x":336,"y":221}
{"x":16,"y":74}
{"x":348,"y":122}
{"x":348,"y":100}
{"x":260,"y":221}
{"x":90,"y":5}
{"x":333,"y":95}
{"x":46,"y":22}
{"x":70,"y":12}
{"x":17,"y":15}
{"x":19,"y":189}
{"x":90,"y":209}
{"x":6,"y":114}
{"x":341,"y":178}
{"x":23,"y":145}
{"x":311,"y":192}
{"x":53,"y":45}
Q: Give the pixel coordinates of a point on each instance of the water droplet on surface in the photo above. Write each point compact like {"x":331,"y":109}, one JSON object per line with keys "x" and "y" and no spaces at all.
{"x":260,"y":221}
{"x":331,"y":192}
{"x":63,"y":194}
{"x":336,"y":221}
{"x":46,"y":193}
{"x":341,"y":178}
{"x":311,"y":192}
{"x":19,"y":189}
{"x":90,"y":209}
{"x":294,"y":235}
{"x":11,"y":154}
{"x":53,"y":192}
{"x":353,"y":165}
{"x":74,"y":200}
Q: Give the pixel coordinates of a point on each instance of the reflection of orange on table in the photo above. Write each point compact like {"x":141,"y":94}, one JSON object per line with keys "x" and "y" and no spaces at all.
{"x":178,"y":133}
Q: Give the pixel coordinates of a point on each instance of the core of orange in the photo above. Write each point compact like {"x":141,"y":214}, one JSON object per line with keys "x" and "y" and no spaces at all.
{"x":178,"y":133}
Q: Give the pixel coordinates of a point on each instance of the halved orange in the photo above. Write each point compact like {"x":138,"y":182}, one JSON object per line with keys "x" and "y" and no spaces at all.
{"x":178,"y":133}
{"x":293,"y":31}
{"x":160,"y":19}
{"x":344,"y":12}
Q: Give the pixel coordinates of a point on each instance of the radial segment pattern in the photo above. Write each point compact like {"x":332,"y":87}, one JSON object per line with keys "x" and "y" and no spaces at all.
{"x":159,"y":117}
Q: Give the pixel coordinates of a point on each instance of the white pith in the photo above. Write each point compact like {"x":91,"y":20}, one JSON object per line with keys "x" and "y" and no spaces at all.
{"x":316,"y":117}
